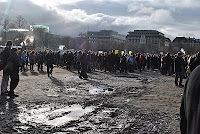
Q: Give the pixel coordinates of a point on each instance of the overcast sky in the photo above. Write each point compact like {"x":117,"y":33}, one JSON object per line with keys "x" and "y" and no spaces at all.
{"x":70,"y":17}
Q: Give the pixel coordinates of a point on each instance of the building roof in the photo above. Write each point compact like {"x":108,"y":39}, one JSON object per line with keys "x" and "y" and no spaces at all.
{"x":168,"y":39}
{"x":16,"y":29}
{"x":46,"y":28}
{"x":183,"y":40}
{"x":145,"y":32}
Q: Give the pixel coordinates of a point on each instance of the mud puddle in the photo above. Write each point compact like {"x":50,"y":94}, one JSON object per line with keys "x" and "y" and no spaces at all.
{"x":95,"y":122}
{"x":101,"y":91}
{"x":52,"y":116}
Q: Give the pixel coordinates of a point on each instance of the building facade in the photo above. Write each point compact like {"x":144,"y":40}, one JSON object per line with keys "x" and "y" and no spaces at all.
{"x":190,"y":45}
{"x":105,"y":36}
{"x":39,"y":27}
{"x":147,"y":38}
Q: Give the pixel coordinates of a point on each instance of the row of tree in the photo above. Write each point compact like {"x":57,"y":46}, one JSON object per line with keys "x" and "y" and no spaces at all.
{"x":18,"y":23}
{"x":40,"y":38}
{"x":37,"y":38}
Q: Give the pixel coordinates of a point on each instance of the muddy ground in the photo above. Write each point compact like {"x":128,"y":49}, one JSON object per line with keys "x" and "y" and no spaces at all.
{"x":134,"y":103}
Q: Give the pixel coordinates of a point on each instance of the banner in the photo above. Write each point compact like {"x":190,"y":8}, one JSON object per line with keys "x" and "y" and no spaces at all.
{"x":100,"y":52}
{"x":122,"y":53}
{"x":116,"y":51}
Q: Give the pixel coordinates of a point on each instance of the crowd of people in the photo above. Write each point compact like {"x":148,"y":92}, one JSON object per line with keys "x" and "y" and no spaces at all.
{"x":12,"y":61}
{"x":178,"y":64}
{"x":86,"y":61}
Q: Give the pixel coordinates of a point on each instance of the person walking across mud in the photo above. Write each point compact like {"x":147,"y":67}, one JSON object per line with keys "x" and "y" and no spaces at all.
{"x":4,"y":57}
{"x":190,"y":108}
{"x":84,"y":63}
{"x":49,"y":63}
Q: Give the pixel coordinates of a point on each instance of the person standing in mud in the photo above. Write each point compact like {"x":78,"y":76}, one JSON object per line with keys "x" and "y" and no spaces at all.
{"x":13,"y":61}
{"x":32,"y":60}
{"x":105,"y":62}
{"x":163,"y":65}
{"x":179,"y":63}
{"x":117,"y":62}
{"x":84,"y":63}
{"x":100,"y":61}
{"x":148,"y":61}
{"x":27,"y":57}
{"x":49,"y":63}
{"x":79,"y":61}
{"x":89,"y":69}
{"x":123,"y":64}
{"x":4,"y":57}
{"x":23,"y":60}
{"x":40,"y":61}
{"x":112,"y":61}
{"x":58,"y":58}
{"x":131,"y":63}
{"x":168,"y":61}
{"x":141,"y":62}
{"x":69,"y":59}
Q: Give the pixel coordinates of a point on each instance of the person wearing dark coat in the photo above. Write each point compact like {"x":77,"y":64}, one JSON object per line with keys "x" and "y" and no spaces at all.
{"x":49,"y":63}
{"x":14,"y":63}
{"x":32,"y":60}
{"x":168,"y":60}
{"x":123,"y":64}
{"x":179,"y":64}
{"x":4,"y":58}
{"x":40,"y":61}
{"x":190,"y":105}
{"x":84,"y":63}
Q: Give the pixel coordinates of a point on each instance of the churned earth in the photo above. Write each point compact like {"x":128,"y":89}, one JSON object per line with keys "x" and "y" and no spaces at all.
{"x":135,"y":103}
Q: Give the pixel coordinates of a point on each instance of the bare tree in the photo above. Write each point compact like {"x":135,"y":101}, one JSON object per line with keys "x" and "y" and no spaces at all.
{"x":65,"y":41}
{"x":42,"y":37}
{"x":20,"y":22}
{"x":5,"y":27}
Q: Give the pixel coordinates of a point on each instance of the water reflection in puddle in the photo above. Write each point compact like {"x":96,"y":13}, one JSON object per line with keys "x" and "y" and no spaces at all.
{"x":71,"y":89}
{"x":101,"y":91}
{"x":55,"y":116}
